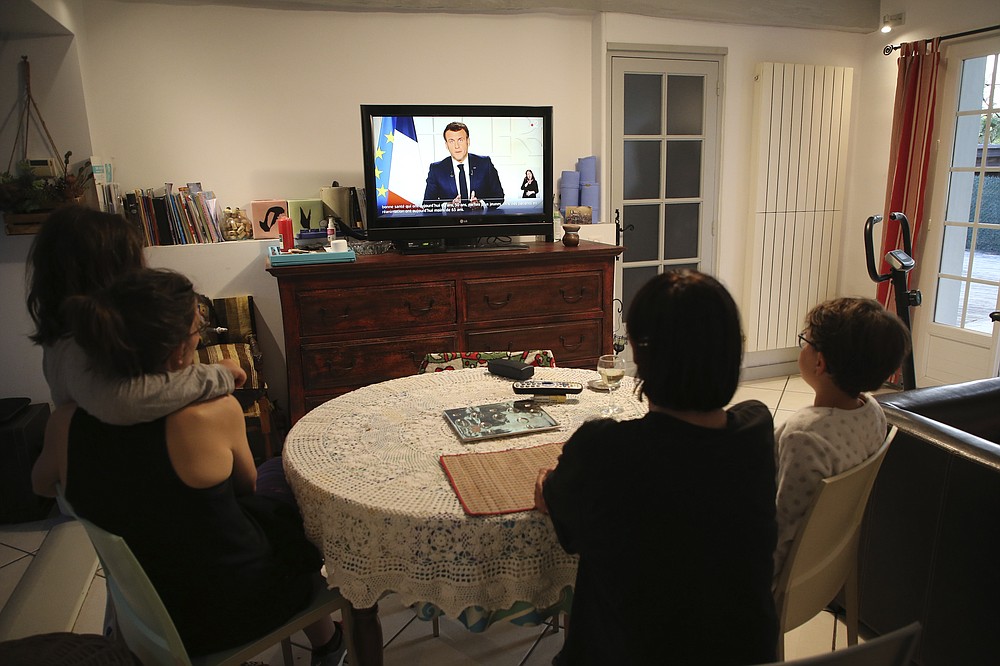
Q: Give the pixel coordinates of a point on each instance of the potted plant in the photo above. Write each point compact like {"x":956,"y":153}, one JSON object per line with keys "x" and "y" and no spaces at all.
{"x":26,"y":197}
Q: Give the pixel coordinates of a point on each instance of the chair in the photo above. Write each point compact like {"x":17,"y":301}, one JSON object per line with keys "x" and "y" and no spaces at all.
{"x":459,"y":360}
{"x":893,"y":649}
{"x":149,"y":632}
{"x":823,"y":559}
{"x":232,"y":333}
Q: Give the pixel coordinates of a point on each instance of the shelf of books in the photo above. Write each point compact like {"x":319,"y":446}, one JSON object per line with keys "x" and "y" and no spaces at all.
{"x":167,"y":217}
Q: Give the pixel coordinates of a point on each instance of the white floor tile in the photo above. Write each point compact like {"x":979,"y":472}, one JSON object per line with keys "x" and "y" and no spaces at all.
{"x":812,"y":638}
{"x":8,"y":555}
{"x":10,"y":575}
{"x":772,"y":383}
{"x":91,"y":617}
{"x":27,"y":536}
{"x":769,"y":397}
{"x":797,"y":385}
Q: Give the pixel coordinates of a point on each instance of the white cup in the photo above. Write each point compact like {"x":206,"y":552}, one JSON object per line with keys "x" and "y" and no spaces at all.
{"x":338,"y":245}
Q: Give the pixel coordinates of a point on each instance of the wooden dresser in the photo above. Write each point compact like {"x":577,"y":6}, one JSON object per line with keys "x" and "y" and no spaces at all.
{"x":349,"y":325}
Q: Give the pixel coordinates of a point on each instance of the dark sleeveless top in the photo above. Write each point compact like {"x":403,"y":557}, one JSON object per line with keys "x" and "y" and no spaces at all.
{"x":221,"y":564}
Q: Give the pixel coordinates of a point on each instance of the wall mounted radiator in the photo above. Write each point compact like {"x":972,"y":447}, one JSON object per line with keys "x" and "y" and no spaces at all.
{"x":799,"y":157}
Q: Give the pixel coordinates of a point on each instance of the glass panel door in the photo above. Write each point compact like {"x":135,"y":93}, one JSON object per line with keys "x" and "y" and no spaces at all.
{"x":958,"y":339}
{"x":664,"y":124}
{"x":969,"y":273}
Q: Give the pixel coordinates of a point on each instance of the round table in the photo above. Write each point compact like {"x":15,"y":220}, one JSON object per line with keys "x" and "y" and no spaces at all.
{"x":366,"y":471}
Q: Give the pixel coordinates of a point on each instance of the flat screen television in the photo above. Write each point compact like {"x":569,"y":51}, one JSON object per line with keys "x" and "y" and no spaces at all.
{"x":414,"y":189}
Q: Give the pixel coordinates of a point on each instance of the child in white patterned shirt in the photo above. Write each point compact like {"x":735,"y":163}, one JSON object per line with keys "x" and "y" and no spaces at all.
{"x":849,"y":346}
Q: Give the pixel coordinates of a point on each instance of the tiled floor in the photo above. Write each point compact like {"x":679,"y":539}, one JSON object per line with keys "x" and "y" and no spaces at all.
{"x":410,"y":641}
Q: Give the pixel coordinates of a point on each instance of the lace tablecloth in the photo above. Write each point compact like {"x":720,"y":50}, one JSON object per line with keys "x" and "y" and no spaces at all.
{"x":365,"y":470}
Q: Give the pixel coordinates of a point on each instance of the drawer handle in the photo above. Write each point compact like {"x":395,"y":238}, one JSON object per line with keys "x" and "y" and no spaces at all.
{"x":330,"y":368}
{"x":496,"y":305}
{"x":571,"y":299}
{"x":419,"y":311}
{"x":347,"y":313}
{"x":562,"y":341}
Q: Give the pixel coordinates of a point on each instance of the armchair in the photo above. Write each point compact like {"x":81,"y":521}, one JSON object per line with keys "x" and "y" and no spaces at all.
{"x":232,"y":334}
{"x":929,"y":540}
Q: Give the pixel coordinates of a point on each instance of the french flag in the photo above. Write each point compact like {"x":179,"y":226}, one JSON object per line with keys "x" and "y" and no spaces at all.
{"x":399,"y":174}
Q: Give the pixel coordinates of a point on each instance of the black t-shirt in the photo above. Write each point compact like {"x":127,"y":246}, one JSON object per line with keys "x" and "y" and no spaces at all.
{"x":675,"y":528}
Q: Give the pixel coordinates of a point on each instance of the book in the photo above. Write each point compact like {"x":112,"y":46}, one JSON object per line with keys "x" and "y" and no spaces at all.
{"x":165,"y":232}
{"x":359,"y":213}
{"x":499,"y":419}
{"x":133,"y":213}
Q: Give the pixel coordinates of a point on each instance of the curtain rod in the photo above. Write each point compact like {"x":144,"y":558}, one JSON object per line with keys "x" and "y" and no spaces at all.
{"x":890,"y":48}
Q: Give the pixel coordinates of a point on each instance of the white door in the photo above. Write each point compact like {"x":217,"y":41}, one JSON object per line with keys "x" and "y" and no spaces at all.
{"x":664,"y":175}
{"x":955,"y":339}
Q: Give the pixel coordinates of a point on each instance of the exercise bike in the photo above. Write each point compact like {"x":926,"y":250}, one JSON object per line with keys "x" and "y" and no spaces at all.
{"x":900,"y":263}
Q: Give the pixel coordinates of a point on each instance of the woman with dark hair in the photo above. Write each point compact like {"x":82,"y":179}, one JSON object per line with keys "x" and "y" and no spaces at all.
{"x":229,"y":564}
{"x":76,"y":252}
{"x":529,"y":186}
{"x":672,"y":514}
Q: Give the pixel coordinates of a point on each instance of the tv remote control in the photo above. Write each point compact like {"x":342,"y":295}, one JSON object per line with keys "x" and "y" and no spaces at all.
{"x":539,"y":387}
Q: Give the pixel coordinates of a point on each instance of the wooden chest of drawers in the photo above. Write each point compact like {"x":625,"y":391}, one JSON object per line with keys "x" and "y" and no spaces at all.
{"x":348,"y":325}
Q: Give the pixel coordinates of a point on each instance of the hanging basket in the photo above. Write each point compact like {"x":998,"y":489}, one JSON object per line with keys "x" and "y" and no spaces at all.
{"x":27,"y":196}
{"x":18,"y":224}
{"x":23,"y":223}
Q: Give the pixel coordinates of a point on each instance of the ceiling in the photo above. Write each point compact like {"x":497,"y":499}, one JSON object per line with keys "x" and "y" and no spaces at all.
{"x":22,"y":18}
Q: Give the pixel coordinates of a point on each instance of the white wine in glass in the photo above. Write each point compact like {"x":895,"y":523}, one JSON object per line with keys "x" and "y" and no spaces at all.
{"x":612,"y":369}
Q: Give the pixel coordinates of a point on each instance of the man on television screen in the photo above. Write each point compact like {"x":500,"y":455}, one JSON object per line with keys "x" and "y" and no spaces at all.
{"x":462,"y":181}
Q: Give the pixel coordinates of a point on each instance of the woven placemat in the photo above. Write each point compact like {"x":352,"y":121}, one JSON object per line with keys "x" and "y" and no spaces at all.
{"x":497,"y":482}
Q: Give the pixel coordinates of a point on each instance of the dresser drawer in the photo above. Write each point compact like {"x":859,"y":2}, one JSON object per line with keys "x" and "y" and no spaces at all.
{"x":490,"y":300}
{"x":576,"y":340}
{"x":360,"y":363}
{"x":358,"y":309}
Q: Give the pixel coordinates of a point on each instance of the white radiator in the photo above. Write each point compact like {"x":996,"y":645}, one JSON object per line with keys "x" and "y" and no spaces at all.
{"x":799,"y":156}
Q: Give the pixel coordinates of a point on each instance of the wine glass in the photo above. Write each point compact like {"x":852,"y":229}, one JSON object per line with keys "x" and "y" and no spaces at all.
{"x":612,"y":369}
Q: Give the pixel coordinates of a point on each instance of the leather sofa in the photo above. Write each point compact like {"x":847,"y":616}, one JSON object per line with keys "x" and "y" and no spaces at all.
{"x":930,"y":542}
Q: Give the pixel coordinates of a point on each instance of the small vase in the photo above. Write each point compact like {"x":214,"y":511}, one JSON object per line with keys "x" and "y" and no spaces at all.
{"x":571,"y":237}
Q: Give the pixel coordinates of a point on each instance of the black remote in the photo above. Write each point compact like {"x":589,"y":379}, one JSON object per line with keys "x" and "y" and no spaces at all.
{"x":539,"y":387}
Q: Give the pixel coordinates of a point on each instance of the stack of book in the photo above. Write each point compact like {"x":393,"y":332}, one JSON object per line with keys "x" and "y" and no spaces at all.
{"x":166,"y":217}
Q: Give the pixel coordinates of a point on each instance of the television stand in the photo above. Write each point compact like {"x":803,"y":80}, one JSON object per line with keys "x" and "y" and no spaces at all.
{"x":357,"y":323}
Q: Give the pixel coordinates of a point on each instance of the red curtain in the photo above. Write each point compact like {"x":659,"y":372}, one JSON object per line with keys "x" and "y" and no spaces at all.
{"x":910,"y":148}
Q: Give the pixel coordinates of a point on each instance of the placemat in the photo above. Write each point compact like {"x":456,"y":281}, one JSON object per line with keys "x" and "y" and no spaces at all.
{"x":498,"y":482}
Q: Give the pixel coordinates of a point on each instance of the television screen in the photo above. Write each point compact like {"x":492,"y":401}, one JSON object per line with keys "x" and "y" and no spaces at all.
{"x":461,"y":174}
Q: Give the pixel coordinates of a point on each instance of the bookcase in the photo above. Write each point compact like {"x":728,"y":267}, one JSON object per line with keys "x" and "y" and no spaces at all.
{"x":349,"y":325}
